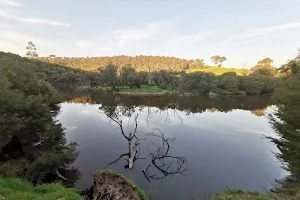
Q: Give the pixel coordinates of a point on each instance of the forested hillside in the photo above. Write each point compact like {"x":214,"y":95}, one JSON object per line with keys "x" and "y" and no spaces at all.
{"x":260,"y":81}
{"x":52,"y":73}
{"x":140,"y":63}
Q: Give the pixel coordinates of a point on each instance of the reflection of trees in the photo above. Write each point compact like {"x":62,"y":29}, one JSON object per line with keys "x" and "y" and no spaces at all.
{"x":133,"y":141}
{"x":163,"y":164}
{"x":259,"y":112}
{"x":85,"y":99}
{"x":38,"y":156}
{"x":190,"y":104}
{"x":38,"y":159}
{"x":161,"y":160}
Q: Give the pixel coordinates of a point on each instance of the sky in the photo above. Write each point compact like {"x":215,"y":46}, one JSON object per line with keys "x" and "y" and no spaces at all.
{"x":244,"y":31}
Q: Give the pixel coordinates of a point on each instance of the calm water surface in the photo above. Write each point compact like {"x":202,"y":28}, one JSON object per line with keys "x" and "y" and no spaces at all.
{"x":184,"y":146}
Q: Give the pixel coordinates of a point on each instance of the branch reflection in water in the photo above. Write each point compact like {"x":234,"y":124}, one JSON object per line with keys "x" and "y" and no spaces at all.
{"x":162,"y":163}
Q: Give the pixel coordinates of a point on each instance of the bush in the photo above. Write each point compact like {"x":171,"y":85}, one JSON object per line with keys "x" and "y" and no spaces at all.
{"x":229,"y":82}
{"x":197,"y":82}
{"x":257,"y":84}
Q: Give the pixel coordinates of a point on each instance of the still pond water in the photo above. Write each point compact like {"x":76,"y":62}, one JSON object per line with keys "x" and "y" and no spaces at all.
{"x":177,"y":147}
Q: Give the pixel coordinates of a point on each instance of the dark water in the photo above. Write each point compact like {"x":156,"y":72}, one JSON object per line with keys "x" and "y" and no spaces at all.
{"x":184,"y":146}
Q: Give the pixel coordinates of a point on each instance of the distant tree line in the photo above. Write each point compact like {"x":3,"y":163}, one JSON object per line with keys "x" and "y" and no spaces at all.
{"x":166,"y":72}
{"x":198,"y":82}
{"x":139,"y":63}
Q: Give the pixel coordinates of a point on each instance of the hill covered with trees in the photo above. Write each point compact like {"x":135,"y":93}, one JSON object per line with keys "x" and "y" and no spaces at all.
{"x":229,"y":83}
{"x":139,"y":63}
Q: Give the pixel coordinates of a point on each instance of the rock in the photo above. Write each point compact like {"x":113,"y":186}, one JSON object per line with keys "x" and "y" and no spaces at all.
{"x":112,"y":186}
{"x":212,"y":94}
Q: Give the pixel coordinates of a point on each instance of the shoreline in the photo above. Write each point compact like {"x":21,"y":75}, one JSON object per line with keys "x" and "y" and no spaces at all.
{"x":186,"y":94}
{"x":135,"y":93}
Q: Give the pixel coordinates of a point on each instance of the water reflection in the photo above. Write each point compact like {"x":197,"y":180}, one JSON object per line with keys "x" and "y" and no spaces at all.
{"x":162,"y":161}
{"x":192,"y":104}
{"x":221,"y":138}
{"x":40,"y":158}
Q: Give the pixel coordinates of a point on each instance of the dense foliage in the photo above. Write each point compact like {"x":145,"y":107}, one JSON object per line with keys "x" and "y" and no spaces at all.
{"x":286,"y":122}
{"x":32,"y":144}
{"x":51,"y":73}
{"x":264,"y":67}
{"x":197,"y":82}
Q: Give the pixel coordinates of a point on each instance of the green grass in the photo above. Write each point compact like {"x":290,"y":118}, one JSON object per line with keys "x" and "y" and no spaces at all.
{"x":219,"y":70}
{"x":140,"y":192}
{"x":241,"y":195}
{"x":15,"y":189}
{"x":146,"y":89}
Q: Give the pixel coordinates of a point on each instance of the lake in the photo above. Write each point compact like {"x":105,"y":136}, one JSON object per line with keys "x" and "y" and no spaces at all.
{"x":175,"y":146}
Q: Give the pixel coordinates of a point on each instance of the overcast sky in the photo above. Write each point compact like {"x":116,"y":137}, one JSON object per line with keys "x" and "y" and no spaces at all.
{"x":242,"y":30}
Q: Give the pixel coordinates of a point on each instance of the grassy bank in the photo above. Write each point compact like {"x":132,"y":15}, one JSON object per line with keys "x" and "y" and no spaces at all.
{"x":145,"y":89}
{"x":13,"y":189}
{"x":241,"y":195}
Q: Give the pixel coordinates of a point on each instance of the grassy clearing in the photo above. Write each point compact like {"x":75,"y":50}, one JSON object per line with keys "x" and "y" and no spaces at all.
{"x":219,"y":70}
{"x":145,"y":89}
{"x":140,"y":192}
{"x":13,"y":189}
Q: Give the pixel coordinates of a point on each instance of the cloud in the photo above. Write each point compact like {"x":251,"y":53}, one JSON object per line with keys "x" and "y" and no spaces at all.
{"x":192,"y":39}
{"x":34,"y":20}
{"x":9,"y":3}
{"x":84,"y":44}
{"x":267,"y":31}
{"x":122,"y":40}
{"x":5,"y":25}
{"x":149,"y":32}
{"x":44,"y":21}
{"x":143,"y":33}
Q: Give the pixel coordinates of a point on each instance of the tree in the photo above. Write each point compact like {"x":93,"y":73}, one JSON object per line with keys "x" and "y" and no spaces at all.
{"x":245,"y":65}
{"x":292,"y":67}
{"x":265,"y":62}
{"x":264,"y":67}
{"x":109,"y":75}
{"x":197,"y":63}
{"x":218,"y":60}
{"x":33,"y":145}
{"x":286,"y":123}
{"x":128,"y":76}
{"x":31,"y":51}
